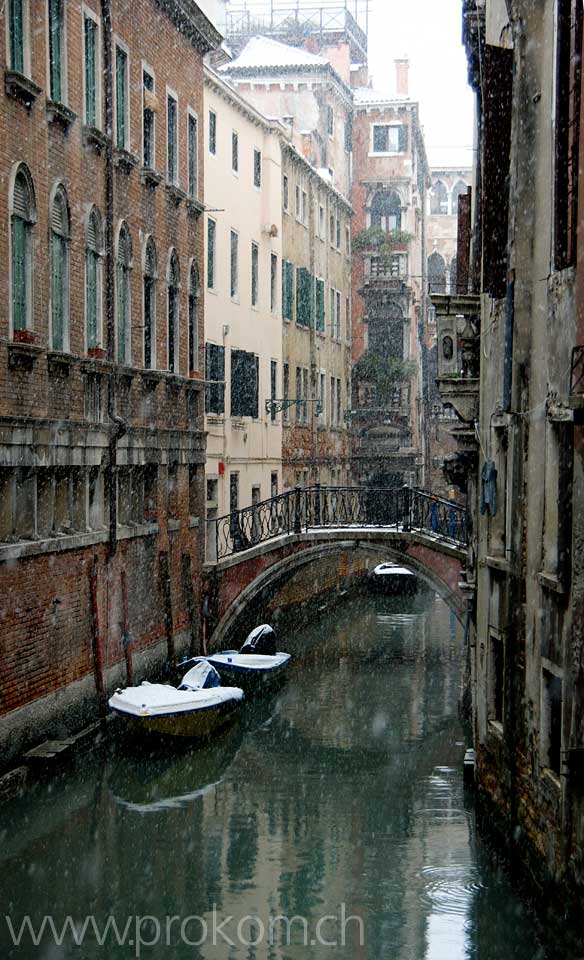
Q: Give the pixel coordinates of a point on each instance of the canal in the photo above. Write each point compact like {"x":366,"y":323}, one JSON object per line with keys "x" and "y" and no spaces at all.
{"x":333,"y":814}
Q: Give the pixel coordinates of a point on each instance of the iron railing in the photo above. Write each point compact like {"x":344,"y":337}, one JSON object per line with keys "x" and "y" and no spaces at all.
{"x":577,"y":371}
{"x":309,"y":508}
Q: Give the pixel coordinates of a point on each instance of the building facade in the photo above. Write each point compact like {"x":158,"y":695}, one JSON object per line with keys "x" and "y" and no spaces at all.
{"x":511,"y":363}
{"x":243,"y":317}
{"x":390,"y":183}
{"x":101,"y":352}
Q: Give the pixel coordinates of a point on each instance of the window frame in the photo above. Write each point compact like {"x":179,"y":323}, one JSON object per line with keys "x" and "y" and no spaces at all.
{"x":97,"y":254}
{"x":211,"y":254}
{"x":28,"y":242}
{"x":23,"y":68}
{"x":193,"y":309}
{"x":212,"y":132}
{"x":285,"y":193}
{"x":59,"y":241}
{"x":273,"y":282}
{"x":235,"y":153}
{"x":62,"y":54}
{"x":152,"y":280}
{"x":173,"y":291}
{"x":234,"y":269}
{"x":257,"y":168}
{"x":389,"y":152}
{"x":123,"y":48}
{"x":88,"y":14}
{"x":147,"y":69}
{"x":192,"y":187}
{"x":126,"y":271}
{"x":255,"y":280}
{"x":172,"y":176}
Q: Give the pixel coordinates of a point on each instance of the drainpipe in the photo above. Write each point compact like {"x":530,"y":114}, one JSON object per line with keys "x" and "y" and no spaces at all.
{"x":109,"y":272}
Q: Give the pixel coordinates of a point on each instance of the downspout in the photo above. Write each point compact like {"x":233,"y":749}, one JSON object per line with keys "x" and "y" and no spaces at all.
{"x":117,"y":430}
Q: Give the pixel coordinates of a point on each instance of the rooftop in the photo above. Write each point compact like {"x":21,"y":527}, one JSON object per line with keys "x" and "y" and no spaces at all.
{"x":261,"y":52}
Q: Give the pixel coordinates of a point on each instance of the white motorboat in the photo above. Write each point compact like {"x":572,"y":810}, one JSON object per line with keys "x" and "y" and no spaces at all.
{"x":390,"y":577}
{"x":198,"y":707}
{"x":257,"y":663}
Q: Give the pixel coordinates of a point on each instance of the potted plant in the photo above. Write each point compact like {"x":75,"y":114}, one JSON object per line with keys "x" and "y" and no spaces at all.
{"x":23,"y":336}
{"x":96,"y":353}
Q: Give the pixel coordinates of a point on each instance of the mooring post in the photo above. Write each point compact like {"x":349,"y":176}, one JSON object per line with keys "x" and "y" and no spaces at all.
{"x":298,"y":511}
{"x":96,"y":639}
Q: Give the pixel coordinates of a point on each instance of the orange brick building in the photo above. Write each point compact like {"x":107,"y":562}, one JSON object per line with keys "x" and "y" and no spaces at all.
{"x":101,"y":351}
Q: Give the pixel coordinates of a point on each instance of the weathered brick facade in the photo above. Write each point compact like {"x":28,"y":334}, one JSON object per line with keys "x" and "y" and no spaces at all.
{"x":100,"y":461}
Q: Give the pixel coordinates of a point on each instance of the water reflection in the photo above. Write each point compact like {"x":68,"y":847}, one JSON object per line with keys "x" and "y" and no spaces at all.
{"x":342,"y":793}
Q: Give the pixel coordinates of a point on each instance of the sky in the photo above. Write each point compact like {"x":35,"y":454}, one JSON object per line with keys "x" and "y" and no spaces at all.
{"x":429,"y":33}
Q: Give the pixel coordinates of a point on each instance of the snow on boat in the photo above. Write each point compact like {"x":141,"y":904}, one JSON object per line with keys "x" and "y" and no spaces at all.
{"x":198,"y":707}
{"x":389,"y":577}
{"x":257,"y":663}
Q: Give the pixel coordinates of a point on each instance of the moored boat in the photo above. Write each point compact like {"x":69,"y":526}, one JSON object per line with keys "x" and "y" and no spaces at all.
{"x":197,"y":708}
{"x":390,"y":577}
{"x":257,"y":664}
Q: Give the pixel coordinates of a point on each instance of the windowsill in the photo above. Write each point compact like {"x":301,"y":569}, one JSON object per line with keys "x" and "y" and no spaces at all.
{"x":286,"y":320}
{"x":495,"y":727}
{"x":550,"y":581}
{"x":236,"y":300}
{"x":302,"y":326}
{"x":150,"y":178}
{"x":60,"y":113}
{"x":58,"y":362}
{"x":22,"y":355}
{"x":195,"y":206}
{"x":551,"y":778}
{"x":321,"y":334}
{"x":21,"y":87}
{"x":173,"y":524}
{"x":129,"y":531}
{"x":175,"y":194}
{"x":93,"y":136}
{"x":213,"y":290}
{"x":194,"y":523}
{"x":215,"y":417}
{"x":72,"y":541}
{"x":125,"y":372}
{"x":124,"y":160}
{"x":151,"y":378}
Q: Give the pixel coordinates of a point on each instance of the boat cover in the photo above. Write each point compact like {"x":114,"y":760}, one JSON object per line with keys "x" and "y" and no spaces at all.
{"x":158,"y":699}
{"x":261,"y":640}
{"x":202,"y":676}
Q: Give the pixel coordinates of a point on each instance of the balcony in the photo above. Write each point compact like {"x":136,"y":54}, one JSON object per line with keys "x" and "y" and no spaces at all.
{"x":457,"y":329}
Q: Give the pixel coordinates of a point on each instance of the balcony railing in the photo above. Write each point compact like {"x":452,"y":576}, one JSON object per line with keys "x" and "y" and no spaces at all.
{"x":289,"y":19}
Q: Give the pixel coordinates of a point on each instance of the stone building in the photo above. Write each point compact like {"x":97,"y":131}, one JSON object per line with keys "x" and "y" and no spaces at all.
{"x":390,"y":183}
{"x":101,"y":351}
{"x":305,"y":92}
{"x":243,"y":315}
{"x":511,"y":363}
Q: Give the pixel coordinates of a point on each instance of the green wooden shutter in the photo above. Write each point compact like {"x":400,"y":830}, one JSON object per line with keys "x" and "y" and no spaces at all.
{"x":320,"y":321}
{"x":55,"y":27}
{"x":403,"y":138}
{"x":19,"y":285}
{"x":300,"y":300}
{"x":332,"y":313}
{"x":57,"y":278}
{"x":90,"y":66}
{"x":91,"y":298}
{"x":16,"y":30}
{"x":122,"y":312}
{"x":121,"y":61}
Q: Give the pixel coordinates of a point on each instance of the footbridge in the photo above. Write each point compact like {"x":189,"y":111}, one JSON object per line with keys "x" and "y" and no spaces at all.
{"x":253,"y":551}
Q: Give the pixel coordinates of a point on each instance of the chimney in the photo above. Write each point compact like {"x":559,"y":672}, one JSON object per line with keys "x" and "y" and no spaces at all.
{"x":402,"y":68}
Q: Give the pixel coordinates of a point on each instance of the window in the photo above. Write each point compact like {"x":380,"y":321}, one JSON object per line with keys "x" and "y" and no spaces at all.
{"x":348,"y":241}
{"x":214,"y":378}
{"x":273,"y":387}
{"x":192,"y":155}
{"x":91,"y":71}
{"x":338,"y":318}
{"x":149,"y":297}
{"x":386,"y":211}
{"x":304,"y":207}
{"x":330,"y":121}
{"x":244,"y":384}
{"x":173,"y":311}
{"x":273,"y":283}
{"x":59,"y":253}
{"x":211,"y":239}
{"x":551,"y":721}
{"x":436,"y":273}
{"x":23,"y":216}
{"x":287,"y":290}
{"x":332,"y":312}
{"x":347,"y":320}
{"x":171,"y":139}
{"x":439,"y":199}
{"x":304,"y":297}
{"x":56,"y":50}
{"x":255,"y":253}
{"x":122,"y":116}
{"x":233,"y":491}
{"x":234,"y":264}
{"x":459,"y":190}
{"x":339,"y":402}
{"x":286,"y":392}
{"x":389,"y":138}
{"x":298,"y":204}
{"x":273,"y":484}
{"x":93,"y":301}
{"x":322,"y":395}
{"x":285,"y":194}
{"x":567,"y":130}
{"x":16,"y":31}
{"x":194,"y":295}
{"x":123,"y":268}
{"x":338,"y":237}
{"x":257,"y":168}
{"x":301,"y":394}
{"x":321,"y":226}
{"x":234,"y":152}
{"x":212,"y":132}
{"x":348,"y":136}
{"x":148,"y":117}
{"x":320,"y":307}
{"x":333,"y":410}
{"x":332,"y":229}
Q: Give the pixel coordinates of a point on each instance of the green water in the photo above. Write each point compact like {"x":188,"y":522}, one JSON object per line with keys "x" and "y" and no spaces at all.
{"x":341,"y":797}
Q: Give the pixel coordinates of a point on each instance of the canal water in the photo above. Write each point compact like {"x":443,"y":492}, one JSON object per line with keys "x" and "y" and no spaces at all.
{"x":330,"y":822}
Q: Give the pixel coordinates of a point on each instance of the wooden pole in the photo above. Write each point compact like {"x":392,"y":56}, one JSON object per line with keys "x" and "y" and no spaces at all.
{"x":96,"y":640}
{"x":189,"y":595}
{"x":126,"y":640}
{"x":164,"y":574}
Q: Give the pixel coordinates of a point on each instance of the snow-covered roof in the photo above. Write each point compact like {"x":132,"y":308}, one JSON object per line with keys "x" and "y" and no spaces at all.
{"x":365,"y":95}
{"x":264,"y":52}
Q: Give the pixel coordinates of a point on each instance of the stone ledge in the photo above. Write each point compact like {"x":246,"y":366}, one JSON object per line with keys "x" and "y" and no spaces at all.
{"x":75,"y":541}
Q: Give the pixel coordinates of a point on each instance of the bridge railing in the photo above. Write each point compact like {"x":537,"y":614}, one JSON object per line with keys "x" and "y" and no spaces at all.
{"x":303,"y":509}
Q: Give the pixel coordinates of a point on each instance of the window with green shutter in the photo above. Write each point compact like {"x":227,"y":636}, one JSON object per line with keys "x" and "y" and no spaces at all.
{"x":55,"y":49}
{"x":92,"y":281}
{"x":16,"y":34}
{"x":59,"y":269}
{"x":173,"y":302}
{"x":332,"y":313}
{"x":287,"y":290}
{"x":304,"y":297}
{"x":123,"y":293}
{"x":23,"y":216}
{"x":171,"y":142}
{"x":90,"y":53}
{"x":320,"y":307}
{"x":150,"y":271}
{"x":121,"y":98}
{"x":192,"y":155}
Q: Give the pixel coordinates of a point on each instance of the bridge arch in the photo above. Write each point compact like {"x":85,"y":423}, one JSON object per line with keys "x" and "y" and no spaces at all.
{"x":238,"y":584}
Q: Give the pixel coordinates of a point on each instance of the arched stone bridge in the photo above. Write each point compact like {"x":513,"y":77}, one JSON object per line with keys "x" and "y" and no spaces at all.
{"x":255,"y":549}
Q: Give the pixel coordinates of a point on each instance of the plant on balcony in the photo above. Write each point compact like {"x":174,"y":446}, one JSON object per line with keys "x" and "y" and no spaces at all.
{"x":380,"y":240}
{"x":385,"y":373}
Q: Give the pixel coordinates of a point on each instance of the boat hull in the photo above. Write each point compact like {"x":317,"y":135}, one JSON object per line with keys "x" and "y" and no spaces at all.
{"x":252,"y":679}
{"x":197,"y":723}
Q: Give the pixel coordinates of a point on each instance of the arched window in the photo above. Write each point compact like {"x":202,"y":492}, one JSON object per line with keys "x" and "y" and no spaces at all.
{"x":386,"y":211}
{"x":173,"y":303}
{"x":194,"y":294}
{"x":150,"y":275}
{"x":453,"y":282}
{"x":23,"y":216}
{"x":458,"y":190}
{"x":439,"y":199}
{"x":123,"y":302}
{"x":436,"y":273}
{"x":59,"y":248}
{"x":93,"y":301}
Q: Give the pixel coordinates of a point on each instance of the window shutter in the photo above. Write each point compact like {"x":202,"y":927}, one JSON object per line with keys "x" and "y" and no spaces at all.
{"x":16,"y":35}
{"x":57,"y":279}
{"x":91,"y":297}
{"x":21,"y":198}
{"x":90,"y":97}
{"x":120,"y":98}
{"x":59,"y":217}
{"x":122,"y":307}
{"x":403,"y":138}
{"x":55,"y":49}
{"x":150,"y":259}
{"x":19,"y":289}
{"x":93,"y":233}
